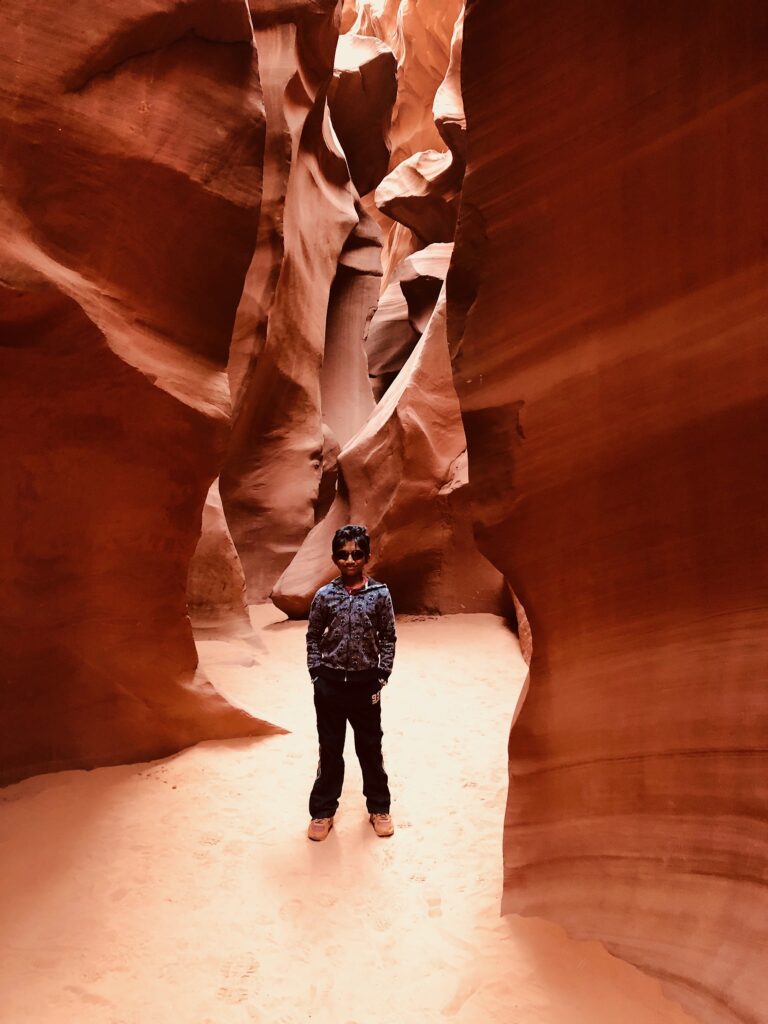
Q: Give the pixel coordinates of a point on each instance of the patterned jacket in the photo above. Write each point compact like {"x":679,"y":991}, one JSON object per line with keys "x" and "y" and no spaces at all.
{"x":351,"y":637}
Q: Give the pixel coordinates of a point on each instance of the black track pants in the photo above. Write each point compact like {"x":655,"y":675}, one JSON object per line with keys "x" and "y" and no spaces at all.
{"x":335,"y":704}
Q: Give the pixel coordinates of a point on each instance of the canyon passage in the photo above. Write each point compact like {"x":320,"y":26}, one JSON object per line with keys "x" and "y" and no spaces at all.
{"x":490,"y":280}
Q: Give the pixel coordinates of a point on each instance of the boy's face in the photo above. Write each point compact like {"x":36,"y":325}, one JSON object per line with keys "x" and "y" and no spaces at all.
{"x":350,"y":560}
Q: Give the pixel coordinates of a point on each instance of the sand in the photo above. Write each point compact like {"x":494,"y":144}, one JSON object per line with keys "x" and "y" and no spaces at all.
{"x":185,"y":890}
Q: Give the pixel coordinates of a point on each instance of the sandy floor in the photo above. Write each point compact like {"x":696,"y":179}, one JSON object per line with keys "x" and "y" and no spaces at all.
{"x":185,"y":890}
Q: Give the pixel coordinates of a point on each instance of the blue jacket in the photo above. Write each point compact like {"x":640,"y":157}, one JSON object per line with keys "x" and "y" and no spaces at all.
{"x":351,"y":637}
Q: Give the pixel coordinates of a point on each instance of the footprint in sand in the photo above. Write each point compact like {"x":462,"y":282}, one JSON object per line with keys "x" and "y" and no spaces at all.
{"x":381,"y":920}
{"x":206,"y":841}
{"x":291,"y":909}
{"x":296,"y":910}
{"x":238,"y":975}
{"x":435,"y":906}
{"x":88,"y":997}
{"x":236,"y":848}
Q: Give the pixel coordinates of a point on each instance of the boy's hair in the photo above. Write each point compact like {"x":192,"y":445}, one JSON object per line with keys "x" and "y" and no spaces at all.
{"x":358,"y":534}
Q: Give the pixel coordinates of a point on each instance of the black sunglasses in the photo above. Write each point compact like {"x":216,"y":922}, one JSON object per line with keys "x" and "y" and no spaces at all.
{"x":342,"y":556}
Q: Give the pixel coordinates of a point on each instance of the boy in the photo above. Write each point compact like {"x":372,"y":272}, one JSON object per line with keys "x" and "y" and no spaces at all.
{"x":350,"y":650}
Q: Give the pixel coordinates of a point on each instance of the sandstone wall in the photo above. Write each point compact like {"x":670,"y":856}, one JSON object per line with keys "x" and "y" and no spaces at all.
{"x":271,"y":478}
{"x":404,"y":476}
{"x":402,"y":466}
{"x":613,"y":376}
{"x":131,"y":145}
{"x":217,"y":600}
{"x":424,"y":38}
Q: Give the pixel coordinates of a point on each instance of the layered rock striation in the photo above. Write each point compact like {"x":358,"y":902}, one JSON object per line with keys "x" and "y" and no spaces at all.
{"x":131,"y":146}
{"x":607,"y":298}
{"x":271,"y":477}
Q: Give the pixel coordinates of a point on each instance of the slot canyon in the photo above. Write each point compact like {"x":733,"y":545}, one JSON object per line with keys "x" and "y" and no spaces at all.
{"x":490,"y":279}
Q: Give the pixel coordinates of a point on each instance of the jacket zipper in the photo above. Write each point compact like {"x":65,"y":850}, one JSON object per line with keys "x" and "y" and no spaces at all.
{"x":349,"y":632}
{"x":349,"y":629}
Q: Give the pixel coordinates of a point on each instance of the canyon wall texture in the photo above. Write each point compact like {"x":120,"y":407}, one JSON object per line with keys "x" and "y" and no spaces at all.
{"x":131,"y":147}
{"x":400,"y":468}
{"x":217,"y":599}
{"x":270,"y":481}
{"x":607,"y":299}
{"x":404,"y":475}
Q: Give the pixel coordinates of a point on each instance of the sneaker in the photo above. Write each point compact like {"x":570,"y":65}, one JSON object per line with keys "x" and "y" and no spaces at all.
{"x":382,"y":824}
{"x":319,"y":829}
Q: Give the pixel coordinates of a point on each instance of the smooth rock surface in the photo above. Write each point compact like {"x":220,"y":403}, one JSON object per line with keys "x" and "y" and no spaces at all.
{"x":404,"y":476}
{"x":425,"y":39}
{"x":613,"y":375}
{"x":131,"y":144}
{"x":403,"y":313}
{"x":390,"y":338}
{"x":448,"y":104}
{"x":422,"y":193}
{"x":361,"y":95}
{"x":270,"y":481}
{"x":345,"y":388}
{"x":420,"y":36}
{"x":421,"y":278}
{"x":216,"y":592}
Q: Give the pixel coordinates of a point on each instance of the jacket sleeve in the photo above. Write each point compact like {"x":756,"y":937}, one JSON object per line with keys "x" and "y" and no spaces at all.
{"x":318,"y":617}
{"x":386,"y":635}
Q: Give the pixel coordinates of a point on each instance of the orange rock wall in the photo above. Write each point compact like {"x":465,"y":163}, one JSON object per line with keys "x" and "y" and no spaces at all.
{"x":402,"y":469}
{"x":421,"y":37}
{"x":216,"y":591}
{"x":404,"y":476}
{"x":131,"y":145}
{"x":613,"y":376}
{"x":271,"y":478}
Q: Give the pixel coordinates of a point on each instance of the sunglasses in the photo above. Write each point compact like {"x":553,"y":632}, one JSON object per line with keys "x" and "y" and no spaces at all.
{"x":341,"y":556}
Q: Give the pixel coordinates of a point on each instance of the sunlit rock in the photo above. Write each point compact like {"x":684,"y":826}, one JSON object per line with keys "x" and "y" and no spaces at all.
{"x":403,"y":313}
{"x":404,"y":476}
{"x":361,"y":96}
{"x":425,"y":39}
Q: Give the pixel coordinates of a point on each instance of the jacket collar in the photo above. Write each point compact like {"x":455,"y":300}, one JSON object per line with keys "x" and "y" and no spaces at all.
{"x":372,"y":583}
